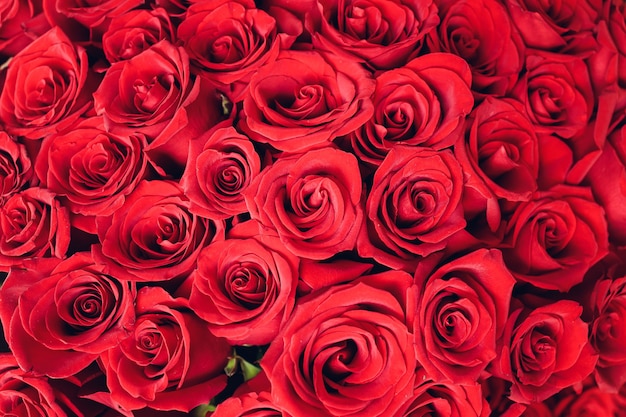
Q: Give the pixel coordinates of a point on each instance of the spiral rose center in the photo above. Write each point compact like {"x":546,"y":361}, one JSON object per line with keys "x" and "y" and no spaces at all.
{"x":246,"y":285}
{"x":149,"y":95}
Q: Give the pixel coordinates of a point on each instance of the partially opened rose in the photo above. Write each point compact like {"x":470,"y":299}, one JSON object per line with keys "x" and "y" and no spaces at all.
{"x":58,"y":321}
{"x":48,"y":86}
{"x":305,"y":99}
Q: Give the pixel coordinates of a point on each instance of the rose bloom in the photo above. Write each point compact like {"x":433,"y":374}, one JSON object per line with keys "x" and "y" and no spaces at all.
{"x":32,"y":224}
{"x":59,"y":320}
{"x":48,"y":86}
{"x":413,"y":207}
{"x":20,"y":23}
{"x":592,"y":402}
{"x":15,"y":166}
{"x":381,"y":33}
{"x":220,"y":167}
{"x":345,"y":351}
{"x":553,"y":240}
{"x":423,"y":103}
{"x":250,"y":405}
{"x":461,"y":312}
{"x":169,"y":361}
{"x":312,"y":200}
{"x":480,"y":32}
{"x":544,"y":350}
{"x":305,"y":99}
{"x":135,"y":31}
{"x":229,"y":41}
{"x":608,"y":332}
{"x":93,"y":169}
{"x":245,"y":286}
{"x":153,"y":236}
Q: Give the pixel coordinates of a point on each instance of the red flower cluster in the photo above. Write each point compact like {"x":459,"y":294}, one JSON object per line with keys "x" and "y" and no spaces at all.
{"x":346,"y":208}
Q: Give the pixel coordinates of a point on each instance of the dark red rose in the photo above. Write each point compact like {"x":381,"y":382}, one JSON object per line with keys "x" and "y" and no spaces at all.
{"x":170,"y":361}
{"x":23,"y":394}
{"x":21,"y":22}
{"x":346,"y":351}
{"x":230,"y":40}
{"x":617,"y":28}
{"x":564,"y":26}
{"x":153,"y":236}
{"x":481,"y":33}
{"x":554,"y":239}
{"x":93,"y":169}
{"x":245,"y":286}
{"x":15,"y":166}
{"x":32,"y":224}
{"x":58,"y":321}
{"x":381,"y":33}
{"x":423,"y":103}
{"x":135,"y":31}
{"x":544,"y":350}
{"x":607,"y":176}
{"x":312,"y":200}
{"x":221,"y":165}
{"x":413,"y":207}
{"x":249,"y":405}
{"x":48,"y":86}
{"x":461,"y":312}
{"x":305,"y":99}
{"x":557,"y":93}
{"x":445,"y":400}
{"x":608,"y":332}
{"x":592,"y":402}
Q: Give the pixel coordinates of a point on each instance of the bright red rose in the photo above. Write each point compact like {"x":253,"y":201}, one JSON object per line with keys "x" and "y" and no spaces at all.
{"x":544,"y":350}
{"x":58,"y":321}
{"x":608,"y":332}
{"x":21,"y":21}
{"x":480,"y":31}
{"x":153,"y":236}
{"x":32,"y":224}
{"x":312,"y":200}
{"x":48,"y":86}
{"x":413,"y":207}
{"x":423,"y":103}
{"x":381,"y":33}
{"x":230,"y":40}
{"x":245,"y":286}
{"x":92,"y":169}
{"x":461,"y":312}
{"x":135,"y":31}
{"x":346,"y":351}
{"x":554,"y":239}
{"x":15,"y":166}
{"x":221,"y":165}
{"x":305,"y":99}
{"x":170,"y":361}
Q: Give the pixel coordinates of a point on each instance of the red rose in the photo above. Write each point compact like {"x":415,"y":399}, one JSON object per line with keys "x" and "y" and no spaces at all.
{"x":312,"y":200}
{"x":15,"y":166}
{"x":93,"y":169}
{"x":413,"y":207}
{"x":170,"y":361}
{"x":221,"y":165}
{"x":423,"y":103}
{"x":382,"y":33}
{"x":608,"y":332}
{"x":245,"y":286}
{"x":230,"y":40}
{"x":58,"y":321}
{"x":592,"y":402}
{"x":20,"y":23}
{"x":544,"y":350}
{"x":32,"y":224}
{"x":153,"y":236}
{"x":135,"y":31}
{"x":617,"y":28}
{"x":461,"y":313}
{"x":346,"y":351}
{"x":481,"y":33}
{"x":47,"y":87}
{"x":553,"y":240}
{"x":250,"y":405}
{"x":305,"y":99}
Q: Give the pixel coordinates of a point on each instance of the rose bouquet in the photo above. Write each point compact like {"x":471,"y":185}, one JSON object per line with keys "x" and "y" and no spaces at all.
{"x":313,"y":208}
